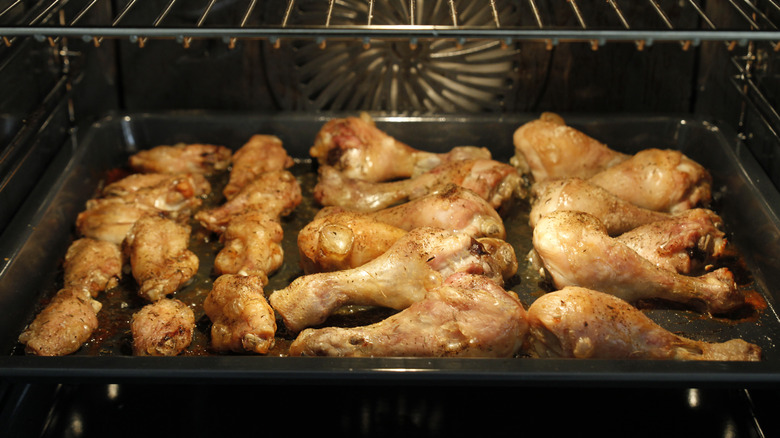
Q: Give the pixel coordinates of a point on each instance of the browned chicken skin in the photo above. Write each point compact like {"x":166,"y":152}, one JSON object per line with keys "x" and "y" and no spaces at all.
{"x":172,"y":195}
{"x":251,"y":246}
{"x":63,"y":326}
{"x":685,"y":243}
{"x":109,"y":219}
{"x":243,"y":321}
{"x":466,"y":316}
{"x":417,"y":262}
{"x":577,"y":194}
{"x":549,"y":149}
{"x":159,"y":258}
{"x":182,"y":158}
{"x":576,"y":250}
{"x":496,"y":182}
{"x":162,"y":328}
{"x":275,"y":193}
{"x":581,"y":323}
{"x":260,"y":154}
{"x":357,"y":149}
{"x":660,"y":180}
{"x":92,"y":265}
{"x":342,"y":239}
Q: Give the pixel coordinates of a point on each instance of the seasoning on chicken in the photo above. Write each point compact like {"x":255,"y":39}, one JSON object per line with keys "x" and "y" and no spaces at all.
{"x":660,"y":180}
{"x":342,"y":239}
{"x":159,"y":258}
{"x":92,"y":265}
{"x":260,"y":154}
{"x":242,"y":320}
{"x":162,"y":328}
{"x":110,"y":219}
{"x":496,"y":182}
{"x":416,"y":263}
{"x":685,"y":243}
{"x":549,"y":149}
{"x":577,"y":194}
{"x":274,"y":193}
{"x":175,"y":196}
{"x":251,"y":246}
{"x":466,"y":316}
{"x":204,"y":159}
{"x":582,"y":323}
{"x":63,"y":326}
{"x":357,"y":149}
{"x":576,"y":250}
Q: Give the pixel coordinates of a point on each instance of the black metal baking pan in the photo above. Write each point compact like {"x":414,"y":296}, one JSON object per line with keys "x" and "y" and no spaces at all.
{"x":32,"y":247}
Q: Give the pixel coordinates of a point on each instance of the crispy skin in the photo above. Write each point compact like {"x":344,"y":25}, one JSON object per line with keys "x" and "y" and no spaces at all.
{"x":260,"y":154}
{"x":92,"y":265}
{"x":206,"y":159}
{"x":162,"y":328}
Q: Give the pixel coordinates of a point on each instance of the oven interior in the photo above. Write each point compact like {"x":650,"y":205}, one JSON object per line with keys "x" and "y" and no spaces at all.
{"x":67,"y":65}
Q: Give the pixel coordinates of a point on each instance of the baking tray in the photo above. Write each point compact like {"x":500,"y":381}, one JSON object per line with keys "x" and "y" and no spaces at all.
{"x":32,"y":247}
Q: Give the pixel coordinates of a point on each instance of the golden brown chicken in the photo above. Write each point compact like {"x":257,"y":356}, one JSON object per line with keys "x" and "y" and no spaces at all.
{"x":162,"y":328}
{"x":582,"y":323}
{"x":92,"y":265}
{"x":466,"y":316}
{"x":160,"y":260}
{"x":242,"y":320}
{"x":260,"y":154}
{"x":182,"y":158}
{"x":251,"y":246}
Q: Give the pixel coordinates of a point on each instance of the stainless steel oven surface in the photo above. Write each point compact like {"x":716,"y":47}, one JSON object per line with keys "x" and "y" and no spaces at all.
{"x":86,"y":83}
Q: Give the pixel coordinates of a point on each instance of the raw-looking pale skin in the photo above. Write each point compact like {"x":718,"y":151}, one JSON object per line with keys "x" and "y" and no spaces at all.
{"x":660,"y":180}
{"x":260,"y":154}
{"x":205,"y":159}
{"x":162,"y":328}
{"x":685,"y":243}
{"x":159,"y":258}
{"x":92,"y":265}
{"x":577,"y":194}
{"x":466,"y":316}
{"x":173,"y":195}
{"x":496,"y":182}
{"x":549,"y":149}
{"x":251,"y":246}
{"x":110,"y":219}
{"x":341,"y":239}
{"x":576,"y":250}
{"x":63,"y":326}
{"x":275,"y":193}
{"x":581,"y":323}
{"x":357,"y":149}
{"x":414,"y":264}
{"x":242,"y":320}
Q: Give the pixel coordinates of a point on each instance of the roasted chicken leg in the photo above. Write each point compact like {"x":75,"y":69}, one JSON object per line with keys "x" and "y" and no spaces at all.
{"x":416,"y":263}
{"x":467,"y":316}
{"x":576,"y":322}
{"x":576,"y":250}
{"x":357,"y":149}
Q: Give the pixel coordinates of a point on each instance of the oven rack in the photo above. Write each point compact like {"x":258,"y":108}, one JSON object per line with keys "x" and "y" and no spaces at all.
{"x":643,"y":22}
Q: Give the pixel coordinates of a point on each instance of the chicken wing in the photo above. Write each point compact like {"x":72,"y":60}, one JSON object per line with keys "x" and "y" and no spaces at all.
{"x":63,"y":326}
{"x":547,"y":148}
{"x":162,"y":328}
{"x":577,"y":194}
{"x":175,"y":196}
{"x":92,"y":265}
{"x":260,"y":154}
{"x":660,"y":180}
{"x":417,"y":262}
{"x":110,"y":219}
{"x":581,"y":323}
{"x":467,"y":316}
{"x":357,"y":149}
{"x":496,"y":182}
{"x":684,"y":243}
{"x":242,"y":320}
{"x":182,"y":158}
{"x":576,"y":250}
{"x":275,"y":193}
{"x":159,"y":258}
{"x":251,"y":246}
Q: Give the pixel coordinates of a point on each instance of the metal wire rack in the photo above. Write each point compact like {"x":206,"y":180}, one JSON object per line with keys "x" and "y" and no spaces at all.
{"x":643,"y":22}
